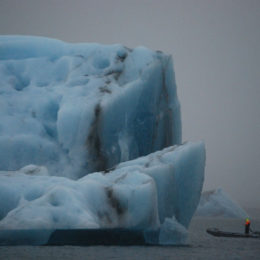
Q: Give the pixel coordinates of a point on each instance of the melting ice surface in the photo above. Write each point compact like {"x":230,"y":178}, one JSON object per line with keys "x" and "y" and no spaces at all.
{"x":103,"y":123}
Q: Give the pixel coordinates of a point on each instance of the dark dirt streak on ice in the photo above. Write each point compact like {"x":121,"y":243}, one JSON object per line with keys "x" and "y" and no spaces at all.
{"x":116,"y":213}
{"x":94,"y":144}
{"x":167,"y":112}
{"x":114,"y":202}
{"x":169,"y":115}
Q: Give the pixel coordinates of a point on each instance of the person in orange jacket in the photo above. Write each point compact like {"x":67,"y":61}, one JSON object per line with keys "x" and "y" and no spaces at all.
{"x":247,"y":226}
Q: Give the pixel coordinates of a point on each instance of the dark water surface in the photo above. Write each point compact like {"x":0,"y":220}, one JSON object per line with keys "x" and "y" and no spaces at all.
{"x":200,"y":246}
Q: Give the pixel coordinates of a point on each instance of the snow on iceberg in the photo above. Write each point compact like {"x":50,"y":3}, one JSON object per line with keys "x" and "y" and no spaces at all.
{"x":80,"y":108}
{"x":158,"y":190}
{"x":217,"y":203}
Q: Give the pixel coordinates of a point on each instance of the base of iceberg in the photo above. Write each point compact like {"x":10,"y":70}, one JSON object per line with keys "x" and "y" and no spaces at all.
{"x":79,"y":237}
{"x":91,"y":237}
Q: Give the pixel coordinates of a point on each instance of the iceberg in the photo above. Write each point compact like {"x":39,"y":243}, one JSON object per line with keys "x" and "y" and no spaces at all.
{"x":90,"y":138}
{"x":217,"y":203}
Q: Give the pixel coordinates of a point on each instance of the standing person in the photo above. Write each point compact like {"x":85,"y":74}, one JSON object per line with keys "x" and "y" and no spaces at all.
{"x":247,"y":226}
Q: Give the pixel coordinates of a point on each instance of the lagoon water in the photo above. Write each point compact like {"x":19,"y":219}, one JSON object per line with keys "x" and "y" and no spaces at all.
{"x":200,"y":246}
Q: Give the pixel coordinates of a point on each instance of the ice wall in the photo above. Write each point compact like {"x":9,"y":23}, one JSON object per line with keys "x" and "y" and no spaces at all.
{"x":79,"y":108}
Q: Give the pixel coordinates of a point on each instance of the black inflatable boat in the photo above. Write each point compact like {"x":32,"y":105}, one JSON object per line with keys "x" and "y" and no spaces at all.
{"x":218,"y":233}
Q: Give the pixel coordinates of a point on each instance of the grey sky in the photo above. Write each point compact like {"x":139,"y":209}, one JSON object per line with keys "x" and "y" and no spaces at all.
{"x":216,"y":50}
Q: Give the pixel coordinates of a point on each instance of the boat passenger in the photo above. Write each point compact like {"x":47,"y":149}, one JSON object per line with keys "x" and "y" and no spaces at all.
{"x":247,"y":226}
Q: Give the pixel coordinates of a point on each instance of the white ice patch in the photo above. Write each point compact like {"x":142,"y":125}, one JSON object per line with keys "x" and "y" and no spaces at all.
{"x":172,"y":233}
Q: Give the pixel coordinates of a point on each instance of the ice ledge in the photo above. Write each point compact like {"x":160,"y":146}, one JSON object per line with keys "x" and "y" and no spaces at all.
{"x":162,"y":188}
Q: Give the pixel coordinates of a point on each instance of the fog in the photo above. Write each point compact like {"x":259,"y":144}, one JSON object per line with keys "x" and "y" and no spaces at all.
{"x":216,"y":50}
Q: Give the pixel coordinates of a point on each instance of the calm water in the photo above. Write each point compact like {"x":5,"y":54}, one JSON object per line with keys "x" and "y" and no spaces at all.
{"x":200,"y":246}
